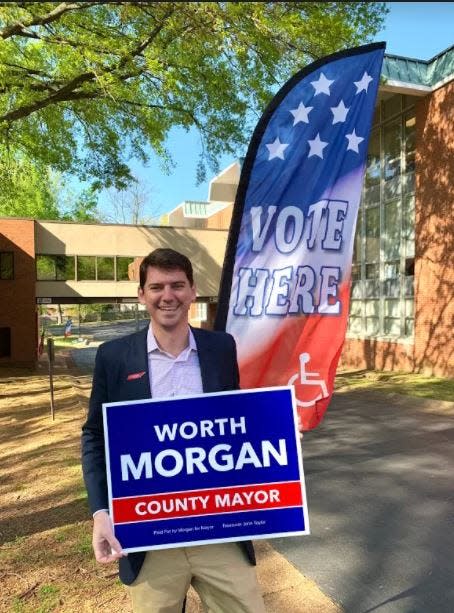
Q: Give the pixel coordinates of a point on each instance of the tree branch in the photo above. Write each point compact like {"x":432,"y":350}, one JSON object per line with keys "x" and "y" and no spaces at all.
{"x":67,"y":92}
{"x":56,"y":13}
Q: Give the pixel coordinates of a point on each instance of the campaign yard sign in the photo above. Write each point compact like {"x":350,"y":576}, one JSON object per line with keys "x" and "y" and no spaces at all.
{"x":211,"y":468}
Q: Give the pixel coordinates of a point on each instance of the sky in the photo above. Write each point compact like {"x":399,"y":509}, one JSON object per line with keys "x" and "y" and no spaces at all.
{"x":418,"y":30}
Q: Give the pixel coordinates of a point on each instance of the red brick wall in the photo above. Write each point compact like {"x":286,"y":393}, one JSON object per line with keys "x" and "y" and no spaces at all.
{"x":434,"y":242}
{"x":433,"y":349}
{"x":17,"y":297}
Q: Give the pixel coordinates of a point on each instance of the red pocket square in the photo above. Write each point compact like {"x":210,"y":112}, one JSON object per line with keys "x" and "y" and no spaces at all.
{"x":135,"y":375}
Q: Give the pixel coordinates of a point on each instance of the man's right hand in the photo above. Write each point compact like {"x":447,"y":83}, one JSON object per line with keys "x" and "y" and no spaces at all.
{"x":106,"y":547}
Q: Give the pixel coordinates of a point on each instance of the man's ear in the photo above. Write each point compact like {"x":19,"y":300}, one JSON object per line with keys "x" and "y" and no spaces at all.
{"x":194,"y":293}
{"x":140,"y":295}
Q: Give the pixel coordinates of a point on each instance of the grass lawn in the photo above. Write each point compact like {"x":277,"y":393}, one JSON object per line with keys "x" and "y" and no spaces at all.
{"x":410,"y":384}
{"x":46,"y":559}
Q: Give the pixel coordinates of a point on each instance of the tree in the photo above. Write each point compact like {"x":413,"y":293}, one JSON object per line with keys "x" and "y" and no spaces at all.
{"x":30,"y":189}
{"x":27,"y":190}
{"x":130,"y":205}
{"x":84,"y":86}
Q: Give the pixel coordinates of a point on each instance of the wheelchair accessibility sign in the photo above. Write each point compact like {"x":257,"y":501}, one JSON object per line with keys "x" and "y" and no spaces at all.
{"x":309,"y":387}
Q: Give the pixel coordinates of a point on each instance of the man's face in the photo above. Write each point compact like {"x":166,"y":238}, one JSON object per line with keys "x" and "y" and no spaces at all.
{"x":167,"y":296}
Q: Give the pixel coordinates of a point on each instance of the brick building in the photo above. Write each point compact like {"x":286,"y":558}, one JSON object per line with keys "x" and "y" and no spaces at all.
{"x":402,"y":301}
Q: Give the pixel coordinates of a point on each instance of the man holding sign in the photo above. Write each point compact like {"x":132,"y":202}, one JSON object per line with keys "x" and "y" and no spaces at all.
{"x":166,"y":359}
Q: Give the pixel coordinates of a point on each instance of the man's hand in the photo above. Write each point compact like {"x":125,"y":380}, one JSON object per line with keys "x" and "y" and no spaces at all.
{"x":106,"y":547}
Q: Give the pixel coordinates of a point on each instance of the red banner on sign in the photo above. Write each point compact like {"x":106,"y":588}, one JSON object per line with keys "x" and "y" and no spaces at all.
{"x":207,"y":502}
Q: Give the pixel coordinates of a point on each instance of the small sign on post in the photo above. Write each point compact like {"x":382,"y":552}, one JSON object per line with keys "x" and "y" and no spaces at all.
{"x":51,"y":356}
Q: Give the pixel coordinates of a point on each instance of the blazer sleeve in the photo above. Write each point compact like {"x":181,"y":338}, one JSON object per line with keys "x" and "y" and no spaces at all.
{"x":93,"y":455}
{"x":235,"y":369}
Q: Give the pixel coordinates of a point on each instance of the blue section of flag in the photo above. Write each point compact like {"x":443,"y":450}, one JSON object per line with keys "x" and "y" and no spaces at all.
{"x":317,"y":134}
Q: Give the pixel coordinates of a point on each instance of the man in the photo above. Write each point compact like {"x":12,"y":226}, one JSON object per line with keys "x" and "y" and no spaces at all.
{"x":168,"y":358}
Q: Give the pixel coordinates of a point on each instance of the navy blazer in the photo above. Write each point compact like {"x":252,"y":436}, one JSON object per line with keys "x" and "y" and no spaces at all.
{"x":117,"y":359}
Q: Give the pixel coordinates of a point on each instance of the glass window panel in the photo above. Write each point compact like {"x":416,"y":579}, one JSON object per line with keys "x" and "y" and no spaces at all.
{"x":372,"y":326}
{"x":392,"y":308}
{"x":409,"y":326}
{"x":65,"y":268}
{"x":392,"y":326}
{"x":410,"y":151}
{"x":372,"y":308}
{"x":392,"y":157}
{"x":392,"y":106}
{"x":408,"y":225}
{"x":409,"y":308}
{"x":409,"y":284}
{"x":372,"y":271}
{"x":45,"y":268}
{"x":357,"y":289}
{"x":356,"y":272}
{"x":391,"y":288}
{"x":86,"y":268}
{"x":372,"y":234}
{"x":391,"y":269}
{"x":408,"y":101}
{"x":372,"y":177}
{"x":122,"y":268}
{"x":356,"y":308}
{"x":7,"y":265}
{"x":355,"y":325}
{"x":391,"y":229}
{"x":358,"y":236}
{"x":106,"y":269}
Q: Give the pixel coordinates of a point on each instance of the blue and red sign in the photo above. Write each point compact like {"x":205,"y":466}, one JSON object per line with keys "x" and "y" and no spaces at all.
{"x":205,"y":469}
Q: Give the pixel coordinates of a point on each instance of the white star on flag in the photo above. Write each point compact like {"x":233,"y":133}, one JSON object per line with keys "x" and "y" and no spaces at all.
{"x":276,"y":149}
{"x":339,"y":112}
{"x":316,"y":146}
{"x":353,"y":141}
{"x":363,"y":84}
{"x":301,"y":113}
{"x":322,"y":85}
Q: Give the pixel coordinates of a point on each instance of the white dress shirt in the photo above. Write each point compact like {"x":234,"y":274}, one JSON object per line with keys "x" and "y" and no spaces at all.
{"x":170,"y":375}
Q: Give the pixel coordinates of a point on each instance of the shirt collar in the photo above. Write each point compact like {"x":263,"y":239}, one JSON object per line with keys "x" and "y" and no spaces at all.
{"x":152,"y":344}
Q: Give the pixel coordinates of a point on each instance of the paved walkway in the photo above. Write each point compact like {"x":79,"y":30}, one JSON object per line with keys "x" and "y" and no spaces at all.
{"x":380,"y":486}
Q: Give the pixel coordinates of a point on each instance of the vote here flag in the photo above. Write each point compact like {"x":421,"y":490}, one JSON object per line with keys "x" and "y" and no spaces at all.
{"x":285,"y":285}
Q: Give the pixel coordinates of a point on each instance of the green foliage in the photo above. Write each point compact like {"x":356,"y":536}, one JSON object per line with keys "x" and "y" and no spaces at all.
{"x":27,"y":190}
{"x":85,"y":86}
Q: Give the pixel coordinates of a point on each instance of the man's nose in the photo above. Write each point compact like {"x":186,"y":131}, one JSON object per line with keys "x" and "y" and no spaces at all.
{"x":167,"y":293}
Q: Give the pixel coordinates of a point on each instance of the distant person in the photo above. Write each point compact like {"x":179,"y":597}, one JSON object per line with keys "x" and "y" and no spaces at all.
{"x":68,"y":327}
{"x":166,"y":358}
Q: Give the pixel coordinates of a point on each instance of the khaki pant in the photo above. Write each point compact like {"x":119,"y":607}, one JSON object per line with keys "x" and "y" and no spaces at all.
{"x":222,"y":576}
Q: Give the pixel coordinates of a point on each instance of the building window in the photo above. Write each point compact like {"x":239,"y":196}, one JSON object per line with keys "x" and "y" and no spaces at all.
{"x":105,"y":268}
{"x":5,"y":342}
{"x":6,"y":265}
{"x":55,"y":268}
{"x":86,"y":268}
{"x":122,"y":267}
{"x":383,"y":258}
{"x":199,"y":311}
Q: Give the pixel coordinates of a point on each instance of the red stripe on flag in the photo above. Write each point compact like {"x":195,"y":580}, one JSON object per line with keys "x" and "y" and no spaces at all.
{"x":207,"y":502}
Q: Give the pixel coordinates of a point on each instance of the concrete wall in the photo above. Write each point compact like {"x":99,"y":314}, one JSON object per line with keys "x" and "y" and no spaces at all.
{"x":17,"y":297}
{"x":205,"y":248}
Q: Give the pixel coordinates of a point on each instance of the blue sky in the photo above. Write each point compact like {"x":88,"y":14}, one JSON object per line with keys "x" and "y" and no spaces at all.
{"x":412,"y":29}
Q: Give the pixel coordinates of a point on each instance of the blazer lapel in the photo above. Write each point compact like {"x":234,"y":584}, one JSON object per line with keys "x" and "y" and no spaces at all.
{"x":206,"y":361}
{"x":137,"y":373}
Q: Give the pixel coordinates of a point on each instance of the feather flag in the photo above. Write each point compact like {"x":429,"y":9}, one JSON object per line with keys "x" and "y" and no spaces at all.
{"x":285,"y":285}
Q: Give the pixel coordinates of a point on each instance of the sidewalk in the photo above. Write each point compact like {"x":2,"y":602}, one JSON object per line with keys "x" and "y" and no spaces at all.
{"x":380,"y":487}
